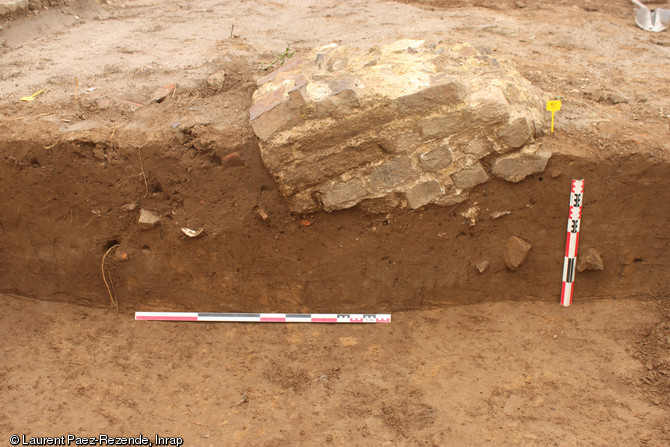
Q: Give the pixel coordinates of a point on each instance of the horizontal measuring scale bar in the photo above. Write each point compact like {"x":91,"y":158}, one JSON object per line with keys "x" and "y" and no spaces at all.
{"x":263,"y":318}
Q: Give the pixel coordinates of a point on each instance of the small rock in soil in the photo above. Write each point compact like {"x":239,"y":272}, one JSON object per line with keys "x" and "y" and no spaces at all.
{"x":103,"y":104}
{"x":590,"y":260}
{"x":233,"y":160}
{"x":499,"y":214}
{"x":148,"y":220}
{"x":482,"y":266}
{"x":162,"y":92}
{"x":192,"y":233}
{"x":471,"y":215}
{"x":516,"y":252}
{"x":130,"y":206}
{"x":216,"y":80}
{"x":260,"y":212}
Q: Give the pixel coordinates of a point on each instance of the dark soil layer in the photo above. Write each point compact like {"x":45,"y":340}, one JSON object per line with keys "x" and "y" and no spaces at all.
{"x":79,"y":162}
{"x":65,"y":206}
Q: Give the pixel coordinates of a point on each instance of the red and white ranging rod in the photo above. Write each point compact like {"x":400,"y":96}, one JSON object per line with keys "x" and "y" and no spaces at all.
{"x":574,"y":223}
{"x":263,"y":318}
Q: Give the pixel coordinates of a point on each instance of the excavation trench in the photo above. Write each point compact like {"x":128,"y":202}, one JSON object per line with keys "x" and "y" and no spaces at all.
{"x":62,"y":208}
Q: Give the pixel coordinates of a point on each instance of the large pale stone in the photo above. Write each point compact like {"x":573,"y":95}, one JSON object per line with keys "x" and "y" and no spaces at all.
{"x":405,"y":121}
{"x":442,"y":91}
{"x":423,"y":193}
{"x":470,"y":177}
{"x":441,"y":126}
{"x":400,"y":142}
{"x":340,"y":195}
{"x":381,"y":205}
{"x":515,"y":167}
{"x":315,"y":167}
{"x":436,"y":159}
{"x":516,"y":134}
{"x":392,"y":173}
{"x":275,"y":110}
{"x":479,"y":147}
{"x":488,"y":107}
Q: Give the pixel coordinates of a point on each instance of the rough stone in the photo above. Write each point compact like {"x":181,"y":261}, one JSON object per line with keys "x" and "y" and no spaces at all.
{"x":441,"y":126}
{"x":516,"y":252}
{"x":451,"y":197}
{"x":102,"y":104}
{"x":11,"y":6}
{"x":590,"y":259}
{"x":216,"y":80}
{"x":422,"y":194}
{"x":344,"y":125}
{"x":148,"y":220}
{"x":400,"y":142}
{"x":470,"y":177}
{"x":479,"y":147}
{"x":470,"y":215}
{"x":319,"y":165}
{"x":488,"y":107}
{"x":614,"y":97}
{"x":233,"y":160}
{"x":270,"y":113}
{"x":436,"y":159}
{"x":482,"y":266}
{"x":340,"y":195}
{"x":515,"y":167}
{"x":304,"y":202}
{"x":607,"y":96}
{"x":516,"y":134}
{"x":161,"y":93}
{"x":381,"y":205}
{"x":443,"y":91}
{"x":392,"y":173}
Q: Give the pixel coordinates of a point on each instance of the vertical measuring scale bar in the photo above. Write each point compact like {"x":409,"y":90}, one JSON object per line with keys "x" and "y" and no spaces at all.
{"x":574,"y":224}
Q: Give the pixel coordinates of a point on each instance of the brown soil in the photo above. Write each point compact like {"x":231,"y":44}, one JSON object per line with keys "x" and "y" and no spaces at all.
{"x":504,"y":373}
{"x":78,"y":163}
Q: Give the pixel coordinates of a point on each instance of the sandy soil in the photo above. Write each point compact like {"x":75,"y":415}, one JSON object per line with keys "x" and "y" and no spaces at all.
{"x":501,"y":373}
{"x":495,"y":362}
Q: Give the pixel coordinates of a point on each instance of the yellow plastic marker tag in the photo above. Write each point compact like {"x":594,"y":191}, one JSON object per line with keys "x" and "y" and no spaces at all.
{"x":31,"y":97}
{"x":553,"y":107}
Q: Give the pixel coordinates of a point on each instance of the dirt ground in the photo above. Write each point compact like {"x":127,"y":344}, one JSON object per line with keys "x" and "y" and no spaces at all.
{"x":470,"y":358}
{"x":504,"y":373}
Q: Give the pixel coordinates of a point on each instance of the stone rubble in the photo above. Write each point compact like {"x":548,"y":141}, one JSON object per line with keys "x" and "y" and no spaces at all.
{"x":516,"y":252}
{"x":11,"y":6}
{"x":590,"y":259}
{"x":406,"y":124}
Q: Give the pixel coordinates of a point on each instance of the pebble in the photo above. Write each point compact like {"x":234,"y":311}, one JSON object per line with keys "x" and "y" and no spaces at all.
{"x":162,"y":92}
{"x":148,"y":220}
{"x":233,"y":160}
{"x":590,"y":260}
{"x":482,"y":266}
{"x":516,"y":252}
